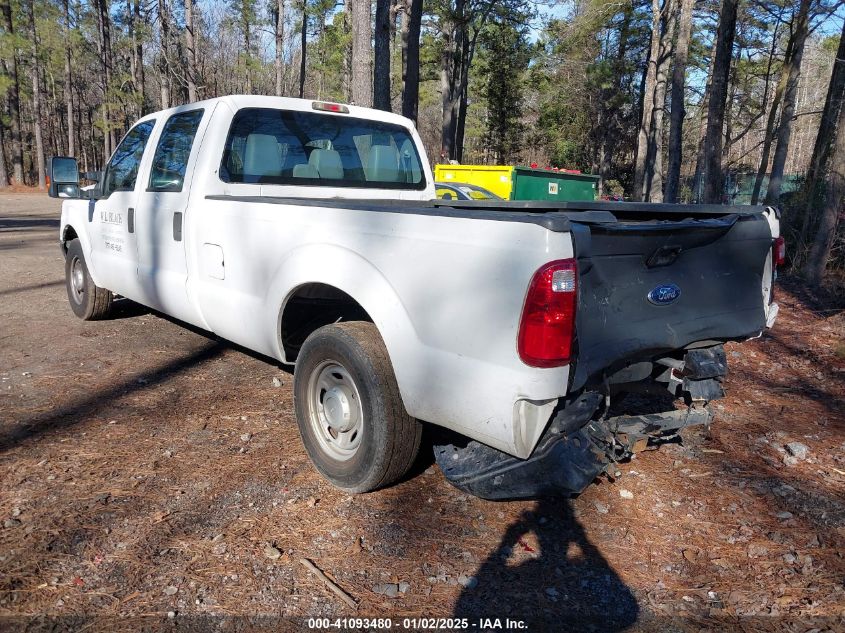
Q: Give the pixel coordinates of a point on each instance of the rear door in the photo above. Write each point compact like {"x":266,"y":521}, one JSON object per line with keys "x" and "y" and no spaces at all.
{"x":160,"y":215}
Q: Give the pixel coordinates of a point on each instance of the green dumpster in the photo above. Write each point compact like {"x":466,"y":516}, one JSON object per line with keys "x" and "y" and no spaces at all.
{"x":542,"y":184}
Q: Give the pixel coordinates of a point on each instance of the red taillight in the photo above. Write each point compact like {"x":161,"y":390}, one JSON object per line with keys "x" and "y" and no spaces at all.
{"x":547,"y":326}
{"x":779,"y":251}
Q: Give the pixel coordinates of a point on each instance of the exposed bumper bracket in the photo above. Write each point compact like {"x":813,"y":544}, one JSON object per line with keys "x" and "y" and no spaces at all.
{"x":567,"y":458}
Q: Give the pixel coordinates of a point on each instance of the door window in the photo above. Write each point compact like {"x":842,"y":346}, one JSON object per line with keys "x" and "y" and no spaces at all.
{"x":173,"y":151}
{"x":122,"y":170}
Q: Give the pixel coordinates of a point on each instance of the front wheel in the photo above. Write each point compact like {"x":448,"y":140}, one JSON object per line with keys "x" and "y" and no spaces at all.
{"x":349,"y":411}
{"x":87,"y":300}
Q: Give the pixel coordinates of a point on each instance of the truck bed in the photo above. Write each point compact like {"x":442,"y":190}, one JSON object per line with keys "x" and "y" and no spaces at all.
{"x":715,"y":254}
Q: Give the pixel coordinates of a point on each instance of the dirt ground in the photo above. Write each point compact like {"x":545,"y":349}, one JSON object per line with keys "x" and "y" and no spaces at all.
{"x":153,"y":478}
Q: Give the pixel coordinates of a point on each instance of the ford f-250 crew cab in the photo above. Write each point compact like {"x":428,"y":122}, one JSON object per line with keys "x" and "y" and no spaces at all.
{"x":309,"y":232}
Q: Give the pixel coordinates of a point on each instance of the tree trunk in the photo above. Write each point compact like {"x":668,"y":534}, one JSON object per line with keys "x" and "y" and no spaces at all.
{"x":279,"y":34}
{"x":676,"y":120}
{"x":138,"y":54}
{"x":698,"y":174}
{"x":727,"y":137}
{"x":608,"y":119}
{"x":827,"y":126}
{"x":104,"y":25}
{"x":362,"y":53}
{"x":381,"y":57}
{"x":303,"y":44}
{"x":449,"y":119}
{"x":725,"y":33}
{"x":71,"y":148}
{"x":834,"y":201}
{"x":36,"y":100}
{"x":771,"y":121}
{"x":789,"y":100}
{"x":647,"y":120}
{"x":411,"y":60}
{"x":164,"y":54}
{"x":191,"y":52}
{"x":134,"y":58}
{"x":346,"y":76}
{"x":4,"y":175}
{"x":14,"y":99}
{"x":450,"y":85}
{"x":654,"y":164}
{"x":463,"y":85}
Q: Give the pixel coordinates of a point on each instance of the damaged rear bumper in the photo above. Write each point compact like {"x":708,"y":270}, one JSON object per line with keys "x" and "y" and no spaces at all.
{"x":562,"y":464}
{"x":577,"y":447}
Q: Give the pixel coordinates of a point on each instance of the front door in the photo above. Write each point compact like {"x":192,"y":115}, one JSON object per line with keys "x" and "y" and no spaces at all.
{"x":160,"y":216}
{"x":114,"y":247}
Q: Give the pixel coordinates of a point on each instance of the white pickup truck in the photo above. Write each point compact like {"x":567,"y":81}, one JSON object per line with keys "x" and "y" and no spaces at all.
{"x":309,"y":232}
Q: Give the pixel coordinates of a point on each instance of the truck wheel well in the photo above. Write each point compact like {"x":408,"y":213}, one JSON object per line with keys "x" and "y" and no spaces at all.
{"x":68,"y":235}
{"x":311,"y":307}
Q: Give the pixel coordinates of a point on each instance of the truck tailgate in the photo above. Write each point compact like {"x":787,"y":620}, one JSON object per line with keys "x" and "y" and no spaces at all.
{"x":650,"y":287}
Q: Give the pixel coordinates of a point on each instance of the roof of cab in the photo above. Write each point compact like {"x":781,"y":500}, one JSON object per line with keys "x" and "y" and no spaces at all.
{"x":238,"y":102}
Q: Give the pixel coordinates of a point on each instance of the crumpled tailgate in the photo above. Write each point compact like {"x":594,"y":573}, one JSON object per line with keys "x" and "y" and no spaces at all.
{"x":715,"y":266}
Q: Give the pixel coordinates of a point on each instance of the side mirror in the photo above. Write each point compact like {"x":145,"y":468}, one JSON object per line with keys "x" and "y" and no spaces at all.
{"x":64,"y":177}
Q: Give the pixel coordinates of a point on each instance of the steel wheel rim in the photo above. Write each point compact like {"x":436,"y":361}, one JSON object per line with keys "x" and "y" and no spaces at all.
{"x":77,"y":280}
{"x":334,"y":410}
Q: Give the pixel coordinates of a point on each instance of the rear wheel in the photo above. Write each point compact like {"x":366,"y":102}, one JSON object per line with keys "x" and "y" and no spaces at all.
{"x":350,"y":414}
{"x":87,"y":300}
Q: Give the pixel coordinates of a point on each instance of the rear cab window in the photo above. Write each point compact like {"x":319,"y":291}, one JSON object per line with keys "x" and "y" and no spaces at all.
{"x":286,"y":147}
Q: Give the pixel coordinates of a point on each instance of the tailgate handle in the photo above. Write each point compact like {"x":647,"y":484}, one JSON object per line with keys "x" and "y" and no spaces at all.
{"x":131,"y":220}
{"x":664,"y":256}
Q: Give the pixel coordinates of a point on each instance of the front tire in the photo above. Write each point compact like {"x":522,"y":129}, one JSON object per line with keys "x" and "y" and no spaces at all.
{"x":87,"y":300}
{"x":350,"y":414}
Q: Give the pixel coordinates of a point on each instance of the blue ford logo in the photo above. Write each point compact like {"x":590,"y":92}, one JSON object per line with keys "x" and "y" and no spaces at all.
{"x":664,"y":295}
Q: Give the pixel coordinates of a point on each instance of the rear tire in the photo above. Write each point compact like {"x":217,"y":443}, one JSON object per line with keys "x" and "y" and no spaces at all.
{"x":350,"y":414}
{"x":87,"y":300}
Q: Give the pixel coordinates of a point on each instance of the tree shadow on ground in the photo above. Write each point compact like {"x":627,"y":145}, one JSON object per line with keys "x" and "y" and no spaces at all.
{"x":566,"y":584}
{"x":79,"y":410}
{"x":22,"y":223}
{"x":824,"y":302}
{"x":31,"y":287}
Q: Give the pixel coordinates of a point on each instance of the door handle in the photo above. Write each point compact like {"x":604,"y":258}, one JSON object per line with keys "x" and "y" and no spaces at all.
{"x":177,"y":226}
{"x":131,"y":220}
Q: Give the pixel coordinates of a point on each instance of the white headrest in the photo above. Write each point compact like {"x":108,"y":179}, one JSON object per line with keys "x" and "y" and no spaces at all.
{"x":327,"y":163}
{"x":383,"y":164}
{"x":262,"y":156}
{"x":305,"y":171}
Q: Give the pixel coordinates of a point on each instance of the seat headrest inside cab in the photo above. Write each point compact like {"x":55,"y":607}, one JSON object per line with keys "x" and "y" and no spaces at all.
{"x":327,"y":163}
{"x":383,"y":164}
{"x":262,"y":156}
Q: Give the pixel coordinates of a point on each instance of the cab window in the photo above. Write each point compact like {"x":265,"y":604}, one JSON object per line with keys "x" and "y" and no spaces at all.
{"x":173,"y":151}
{"x":271,"y":146}
{"x":122,"y":170}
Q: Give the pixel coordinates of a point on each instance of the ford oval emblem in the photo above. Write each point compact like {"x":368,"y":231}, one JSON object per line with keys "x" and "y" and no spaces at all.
{"x":664,"y":295}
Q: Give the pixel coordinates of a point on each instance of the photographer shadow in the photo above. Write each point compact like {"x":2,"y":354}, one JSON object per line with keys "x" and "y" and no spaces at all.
{"x":566,"y":584}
